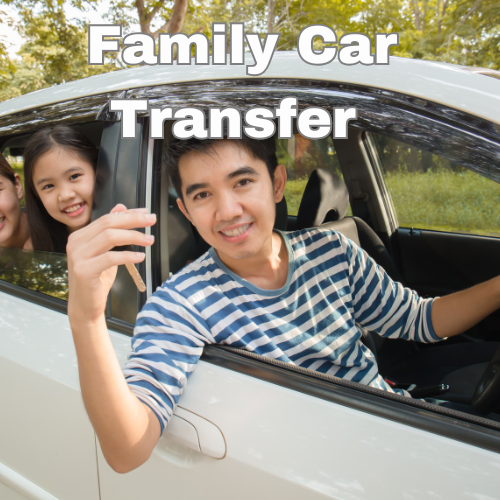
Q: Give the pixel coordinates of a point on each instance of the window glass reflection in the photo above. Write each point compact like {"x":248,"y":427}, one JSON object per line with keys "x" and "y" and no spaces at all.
{"x":43,"y":272}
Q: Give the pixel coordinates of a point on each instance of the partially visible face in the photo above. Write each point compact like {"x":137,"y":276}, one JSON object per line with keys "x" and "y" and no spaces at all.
{"x":10,"y":210}
{"x":230,"y":198}
{"x":65,"y":184}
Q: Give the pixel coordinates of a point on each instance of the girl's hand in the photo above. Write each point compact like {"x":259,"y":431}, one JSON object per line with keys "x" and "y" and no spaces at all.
{"x":92,"y":263}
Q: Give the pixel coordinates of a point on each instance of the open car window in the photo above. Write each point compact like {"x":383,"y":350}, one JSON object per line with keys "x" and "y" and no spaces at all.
{"x":43,"y":272}
{"x":180,"y":244}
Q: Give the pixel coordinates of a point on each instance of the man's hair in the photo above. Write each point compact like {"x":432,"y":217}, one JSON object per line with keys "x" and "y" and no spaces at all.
{"x":260,"y":149}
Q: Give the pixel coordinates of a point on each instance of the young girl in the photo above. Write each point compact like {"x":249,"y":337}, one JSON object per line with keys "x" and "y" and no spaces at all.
{"x":59,"y":176}
{"x":13,"y":222}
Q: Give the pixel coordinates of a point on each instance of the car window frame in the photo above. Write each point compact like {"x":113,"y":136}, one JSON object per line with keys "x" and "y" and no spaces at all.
{"x":469,"y":429}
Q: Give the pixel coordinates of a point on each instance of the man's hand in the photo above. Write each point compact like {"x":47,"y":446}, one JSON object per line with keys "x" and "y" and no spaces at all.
{"x":127,"y":429}
{"x":92,"y":263}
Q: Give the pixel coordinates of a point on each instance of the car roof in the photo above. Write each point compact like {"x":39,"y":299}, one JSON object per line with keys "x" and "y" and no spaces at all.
{"x":446,"y":84}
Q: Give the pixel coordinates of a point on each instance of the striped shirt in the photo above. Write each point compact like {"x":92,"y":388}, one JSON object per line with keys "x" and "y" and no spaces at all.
{"x":312,"y":321}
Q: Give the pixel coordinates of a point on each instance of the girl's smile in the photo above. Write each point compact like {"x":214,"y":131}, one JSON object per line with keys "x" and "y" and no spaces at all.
{"x":75,"y":210}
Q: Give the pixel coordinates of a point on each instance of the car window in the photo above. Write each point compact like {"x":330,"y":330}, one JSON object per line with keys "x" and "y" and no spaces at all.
{"x":301,"y":156}
{"x":178,"y":243}
{"x":431,"y":192}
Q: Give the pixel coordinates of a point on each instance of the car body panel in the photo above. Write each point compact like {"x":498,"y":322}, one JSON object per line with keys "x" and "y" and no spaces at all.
{"x":45,"y":435}
{"x":282,"y":442}
{"x":444,"y":83}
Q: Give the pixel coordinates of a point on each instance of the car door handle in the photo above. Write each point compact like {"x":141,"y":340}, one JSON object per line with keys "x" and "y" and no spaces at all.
{"x":195,"y":432}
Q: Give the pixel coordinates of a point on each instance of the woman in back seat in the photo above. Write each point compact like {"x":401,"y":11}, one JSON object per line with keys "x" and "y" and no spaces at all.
{"x":14,"y":229}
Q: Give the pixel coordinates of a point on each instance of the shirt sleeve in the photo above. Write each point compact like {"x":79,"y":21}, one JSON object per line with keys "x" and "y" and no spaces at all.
{"x":385,"y":306}
{"x":168,"y":341}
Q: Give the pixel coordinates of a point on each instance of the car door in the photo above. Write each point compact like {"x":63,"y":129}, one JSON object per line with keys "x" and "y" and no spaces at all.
{"x":47,"y":444}
{"x":247,"y":427}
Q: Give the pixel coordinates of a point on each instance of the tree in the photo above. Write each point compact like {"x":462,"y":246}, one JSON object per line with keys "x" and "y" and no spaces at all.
{"x":7,"y":67}
{"x":463,"y":32}
{"x":56,"y":48}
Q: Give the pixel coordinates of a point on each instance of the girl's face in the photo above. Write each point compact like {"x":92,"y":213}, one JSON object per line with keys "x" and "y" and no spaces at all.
{"x":10,"y":210}
{"x":65,"y":184}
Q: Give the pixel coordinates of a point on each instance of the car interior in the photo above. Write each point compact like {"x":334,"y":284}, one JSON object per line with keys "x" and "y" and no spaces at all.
{"x":339,"y":192}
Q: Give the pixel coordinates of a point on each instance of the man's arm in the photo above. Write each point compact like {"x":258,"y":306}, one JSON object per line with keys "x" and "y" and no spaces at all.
{"x":127,"y":429}
{"x":456,"y":313}
{"x":386,"y":307}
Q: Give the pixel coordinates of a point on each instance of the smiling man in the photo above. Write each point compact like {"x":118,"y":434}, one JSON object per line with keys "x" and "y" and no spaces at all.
{"x":296,"y":297}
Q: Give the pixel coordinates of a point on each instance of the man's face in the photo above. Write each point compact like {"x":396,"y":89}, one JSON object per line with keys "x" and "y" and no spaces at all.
{"x":231,"y":200}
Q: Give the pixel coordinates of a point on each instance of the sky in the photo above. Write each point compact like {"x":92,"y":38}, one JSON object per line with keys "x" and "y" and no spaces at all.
{"x":91,"y":15}
{"x":10,"y":34}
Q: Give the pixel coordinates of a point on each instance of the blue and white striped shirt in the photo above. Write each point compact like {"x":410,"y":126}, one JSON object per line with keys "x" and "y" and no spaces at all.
{"x":332,"y":285}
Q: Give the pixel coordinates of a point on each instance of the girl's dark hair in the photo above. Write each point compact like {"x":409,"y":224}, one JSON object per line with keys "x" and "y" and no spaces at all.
{"x":48,"y":234}
{"x":6,"y":169}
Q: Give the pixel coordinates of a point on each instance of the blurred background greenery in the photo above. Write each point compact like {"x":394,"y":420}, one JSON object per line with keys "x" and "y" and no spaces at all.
{"x":54,"y":32}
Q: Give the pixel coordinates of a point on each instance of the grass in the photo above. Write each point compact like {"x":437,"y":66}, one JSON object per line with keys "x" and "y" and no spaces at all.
{"x":443,"y":200}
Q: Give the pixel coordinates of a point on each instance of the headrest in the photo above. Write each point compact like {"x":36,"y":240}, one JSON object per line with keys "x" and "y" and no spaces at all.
{"x":281,"y":220}
{"x":325,"y":199}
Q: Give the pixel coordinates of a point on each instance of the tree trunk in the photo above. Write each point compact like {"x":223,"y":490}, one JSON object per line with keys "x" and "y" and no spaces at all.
{"x":178,"y":15}
{"x":271,"y":4}
{"x":173,"y":25}
{"x":416,"y":12}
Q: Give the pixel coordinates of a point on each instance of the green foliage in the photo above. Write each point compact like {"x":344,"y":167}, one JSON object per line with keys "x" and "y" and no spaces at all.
{"x":462,"y":32}
{"x":55,"y":52}
{"x":431,"y":192}
{"x":42,"y":272}
{"x":443,"y":200}
{"x":7,"y":67}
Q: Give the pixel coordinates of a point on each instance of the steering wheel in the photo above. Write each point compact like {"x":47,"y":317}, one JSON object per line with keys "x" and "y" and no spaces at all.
{"x":487,"y":394}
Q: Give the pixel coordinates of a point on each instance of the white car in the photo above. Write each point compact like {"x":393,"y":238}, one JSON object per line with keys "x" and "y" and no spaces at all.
{"x":248,"y":427}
